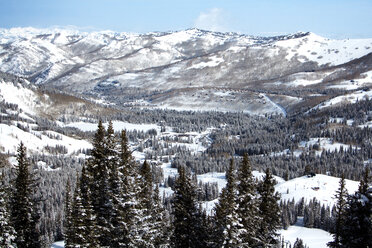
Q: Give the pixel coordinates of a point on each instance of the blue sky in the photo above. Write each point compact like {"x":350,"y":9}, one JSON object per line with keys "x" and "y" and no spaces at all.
{"x":330,"y":18}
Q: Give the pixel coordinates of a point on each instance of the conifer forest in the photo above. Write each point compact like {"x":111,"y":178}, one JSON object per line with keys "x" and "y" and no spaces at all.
{"x":184,"y":139}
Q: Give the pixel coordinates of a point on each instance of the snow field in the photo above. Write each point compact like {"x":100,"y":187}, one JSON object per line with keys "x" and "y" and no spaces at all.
{"x":312,"y":237}
{"x":321,"y":187}
{"x":364,"y":80}
{"x":326,"y":144}
{"x":326,"y":51}
{"x":26,"y":99}
{"x":348,"y":98}
{"x":117,"y":125}
{"x":36,"y":141}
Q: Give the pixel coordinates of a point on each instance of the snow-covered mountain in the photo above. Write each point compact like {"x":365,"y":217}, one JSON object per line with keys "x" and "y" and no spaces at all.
{"x":30,"y":115}
{"x":190,"y":69}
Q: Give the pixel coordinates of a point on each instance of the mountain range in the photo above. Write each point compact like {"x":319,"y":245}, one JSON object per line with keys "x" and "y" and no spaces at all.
{"x":191,"y":69}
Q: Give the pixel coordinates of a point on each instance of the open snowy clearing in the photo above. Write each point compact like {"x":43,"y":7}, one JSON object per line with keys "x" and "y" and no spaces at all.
{"x":321,"y":187}
{"x":349,"y":98}
{"x":26,"y":99}
{"x":326,"y":51}
{"x":117,"y":125}
{"x":364,"y":80}
{"x":312,"y":237}
{"x":36,"y":141}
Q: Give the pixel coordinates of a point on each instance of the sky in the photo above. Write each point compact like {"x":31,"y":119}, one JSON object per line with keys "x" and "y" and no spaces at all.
{"x":330,"y":18}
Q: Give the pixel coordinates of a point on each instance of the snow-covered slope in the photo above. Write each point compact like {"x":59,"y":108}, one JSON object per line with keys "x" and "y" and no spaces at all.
{"x":37,"y":141}
{"x":28,"y":101}
{"x":347,"y":98}
{"x":174,"y":69}
{"x":321,"y":187}
{"x":325,"y":51}
{"x":22,"y":107}
{"x":312,"y":237}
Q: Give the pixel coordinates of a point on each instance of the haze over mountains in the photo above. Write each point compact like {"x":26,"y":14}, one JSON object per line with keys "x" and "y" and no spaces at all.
{"x":191,"y":69}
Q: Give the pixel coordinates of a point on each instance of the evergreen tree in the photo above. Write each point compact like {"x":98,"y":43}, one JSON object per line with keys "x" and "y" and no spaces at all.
{"x":68,"y":221}
{"x":83,"y":226}
{"x":147,"y":204}
{"x":228,"y":227}
{"x":299,"y":243}
{"x":160,"y":227}
{"x":7,"y":232}
{"x":147,"y":187}
{"x":130,"y":207}
{"x":102,"y":203}
{"x":24,"y":212}
{"x":102,"y":177}
{"x":341,"y":195}
{"x":186,"y":227}
{"x":248,"y":203}
{"x":357,"y":228}
{"x":269,"y":211}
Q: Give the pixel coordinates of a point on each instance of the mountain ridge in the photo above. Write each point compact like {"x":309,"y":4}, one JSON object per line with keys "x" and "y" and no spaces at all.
{"x":128,"y":68}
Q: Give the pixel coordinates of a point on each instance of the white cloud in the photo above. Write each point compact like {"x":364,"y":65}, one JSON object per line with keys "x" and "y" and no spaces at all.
{"x":214,"y":20}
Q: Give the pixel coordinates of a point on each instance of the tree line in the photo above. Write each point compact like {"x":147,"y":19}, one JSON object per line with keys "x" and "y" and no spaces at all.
{"x":115,"y":202}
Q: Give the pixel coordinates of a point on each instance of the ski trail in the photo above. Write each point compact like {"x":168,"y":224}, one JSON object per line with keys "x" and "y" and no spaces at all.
{"x":284,"y":112}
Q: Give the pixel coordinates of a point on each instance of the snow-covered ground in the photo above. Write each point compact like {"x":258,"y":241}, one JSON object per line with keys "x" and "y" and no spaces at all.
{"x":37,"y":141}
{"x":326,"y":144}
{"x":26,"y":99}
{"x":58,"y":244}
{"x":312,"y":237}
{"x":321,"y":187}
{"x":326,"y":51}
{"x":364,"y":80}
{"x":349,"y":98}
{"x":117,"y":125}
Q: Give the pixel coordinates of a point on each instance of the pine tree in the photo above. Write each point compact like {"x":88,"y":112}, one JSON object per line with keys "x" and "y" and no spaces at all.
{"x":341,"y":195}
{"x":24,"y":212}
{"x":147,"y":186}
{"x":248,"y":202}
{"x":228,"y":227}
{"x":357,"y":228}
{"x":83,"y":221}
{"x":7,"y":232}
{"x":185,"y":211}
{"x":160,"y":227}
{"x":68,"y":221}
{"x":269,"y":211}
{"x":98,"y":168}
{"x":130,"y":209}
{"x":146,"y":204}
{"x":299,"y":243}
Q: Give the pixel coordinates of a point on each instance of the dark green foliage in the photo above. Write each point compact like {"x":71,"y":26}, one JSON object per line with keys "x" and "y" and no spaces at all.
{"x":341,"y":195}
{"x":146,"y":187}
{"x":299,"y":244}
{"x":24,"y":212}
{"x":68,"y":221}
{"x":229,"y":230}
{"x":98,"y":170}
{"x":269,"y":211}
{"x":83,"y":226}
{"x":356,"y":230}
{"x":186,"y":222}
{"x":248,"y":202}
{"x":159,"y":231}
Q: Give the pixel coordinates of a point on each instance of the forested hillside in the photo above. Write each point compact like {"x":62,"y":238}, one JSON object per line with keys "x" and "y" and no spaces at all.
{"x":168,"y":151}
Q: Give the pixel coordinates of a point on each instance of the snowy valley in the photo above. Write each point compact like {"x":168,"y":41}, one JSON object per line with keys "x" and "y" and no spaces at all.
{"x":298,"y":105}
